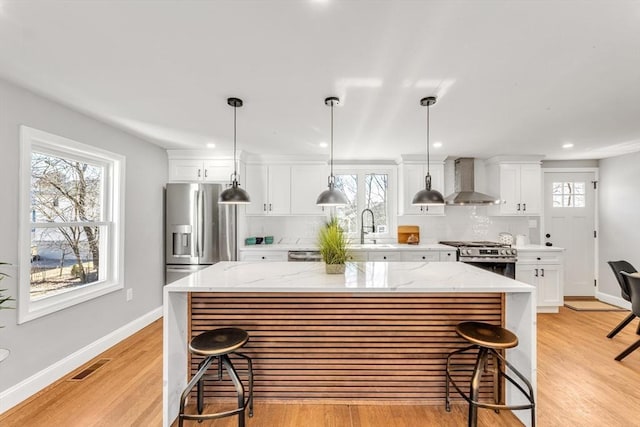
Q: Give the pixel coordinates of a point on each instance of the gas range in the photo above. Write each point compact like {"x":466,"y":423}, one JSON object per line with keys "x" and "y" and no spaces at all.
{"x":484,"y":251}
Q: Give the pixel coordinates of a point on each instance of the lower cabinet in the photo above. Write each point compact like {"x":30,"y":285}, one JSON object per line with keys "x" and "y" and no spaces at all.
{"x":384,"y":256}
{"x":357,"y":256}
{"x":545,"y":271}
{"x":263,"y":255}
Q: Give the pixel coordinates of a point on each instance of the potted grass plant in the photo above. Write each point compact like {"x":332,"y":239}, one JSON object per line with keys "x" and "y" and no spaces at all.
{"x":333,"y":246}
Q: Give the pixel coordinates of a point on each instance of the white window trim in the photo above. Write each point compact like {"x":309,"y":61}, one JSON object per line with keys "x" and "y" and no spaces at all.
{"x":44,"y":141}
{"x":392,"y":190}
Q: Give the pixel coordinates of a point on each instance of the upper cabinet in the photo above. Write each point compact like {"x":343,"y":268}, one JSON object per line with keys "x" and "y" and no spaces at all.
{"x":285,"y":189}
{"x":269,"y":188}
{"x":412,"y":176}
{"x":194,"y":166}
{"x":520,"y":185}
{"x":307,"y":182}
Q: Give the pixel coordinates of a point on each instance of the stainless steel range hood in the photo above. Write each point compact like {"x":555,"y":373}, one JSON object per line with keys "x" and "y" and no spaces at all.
{"x":465,"y":193}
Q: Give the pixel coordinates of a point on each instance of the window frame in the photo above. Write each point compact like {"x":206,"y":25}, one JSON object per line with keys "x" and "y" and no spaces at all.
{"x":113,"y":210}
{"x":361,"y":171}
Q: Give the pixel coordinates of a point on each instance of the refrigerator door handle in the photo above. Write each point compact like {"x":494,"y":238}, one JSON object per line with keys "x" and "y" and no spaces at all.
{"x":200,"y":223}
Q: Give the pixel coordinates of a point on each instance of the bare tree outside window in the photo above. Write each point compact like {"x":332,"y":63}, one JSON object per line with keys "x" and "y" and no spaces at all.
{"x":371,"y":191}
{"x":569,"y":194}
{"x":66,"y":214}
{"x":376,"y":186}
{"x":348,"y":215}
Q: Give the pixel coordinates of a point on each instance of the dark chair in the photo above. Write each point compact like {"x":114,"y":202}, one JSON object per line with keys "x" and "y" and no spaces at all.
{"x":216,"y":346}
{"x":489,"y":340}
{"x":633,"y":285}
{"x":618,"y":267}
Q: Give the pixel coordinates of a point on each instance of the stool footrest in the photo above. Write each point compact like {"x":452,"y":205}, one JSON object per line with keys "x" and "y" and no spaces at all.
{"x":480,"y":367}
{"x":198,"y":379}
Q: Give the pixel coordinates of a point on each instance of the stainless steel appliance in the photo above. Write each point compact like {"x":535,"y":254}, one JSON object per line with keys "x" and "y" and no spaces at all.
{"x":492,"y":256}
{"x":300,"y":256}
{"x":465,"y":191}
{"x":199,"y":231}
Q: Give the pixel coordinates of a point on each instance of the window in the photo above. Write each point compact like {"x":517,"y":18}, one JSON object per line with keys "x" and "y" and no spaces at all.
{"x":366,"y":188}
{"x":568,"y":194}
{"x":71,"y":223}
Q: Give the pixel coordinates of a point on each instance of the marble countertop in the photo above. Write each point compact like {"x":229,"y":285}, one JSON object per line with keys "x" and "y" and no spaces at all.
{"x":354,"y":247}
{"x":359,"y":277}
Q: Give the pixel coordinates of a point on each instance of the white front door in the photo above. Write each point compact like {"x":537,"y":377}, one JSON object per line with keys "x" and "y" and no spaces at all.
{"x":569,"y":211}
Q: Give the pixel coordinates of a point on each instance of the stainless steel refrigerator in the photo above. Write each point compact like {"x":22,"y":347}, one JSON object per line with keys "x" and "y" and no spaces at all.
{"x":199,"y":231}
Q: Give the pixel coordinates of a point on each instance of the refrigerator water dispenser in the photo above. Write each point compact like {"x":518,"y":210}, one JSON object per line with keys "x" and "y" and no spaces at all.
{"x":182,"y":241}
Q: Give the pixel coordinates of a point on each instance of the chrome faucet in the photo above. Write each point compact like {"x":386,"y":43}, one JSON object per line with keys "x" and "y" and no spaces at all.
{"x":362,"y":226}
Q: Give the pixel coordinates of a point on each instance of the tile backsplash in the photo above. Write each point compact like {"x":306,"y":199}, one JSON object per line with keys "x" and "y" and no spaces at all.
{"x":459,"y":223}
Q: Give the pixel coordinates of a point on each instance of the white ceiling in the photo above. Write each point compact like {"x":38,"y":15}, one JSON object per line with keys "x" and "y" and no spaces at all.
{"x":512,"y":77}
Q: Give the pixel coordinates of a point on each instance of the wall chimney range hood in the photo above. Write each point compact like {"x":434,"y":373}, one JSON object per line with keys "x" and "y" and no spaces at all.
{"x":465,"y":193}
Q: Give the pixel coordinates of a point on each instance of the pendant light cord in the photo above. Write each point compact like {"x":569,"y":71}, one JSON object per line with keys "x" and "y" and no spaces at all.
{"x":428,"y":159}
{"x":331,"y":140}
{"x":235,"y":164}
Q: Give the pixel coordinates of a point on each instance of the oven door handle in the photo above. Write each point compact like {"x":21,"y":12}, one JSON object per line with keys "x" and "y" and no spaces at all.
{"x":490,"y":260}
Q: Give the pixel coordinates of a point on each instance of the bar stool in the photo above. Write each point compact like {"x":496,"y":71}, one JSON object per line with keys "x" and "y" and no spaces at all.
{"x":217,"y":344}
{"x":487,"y":339}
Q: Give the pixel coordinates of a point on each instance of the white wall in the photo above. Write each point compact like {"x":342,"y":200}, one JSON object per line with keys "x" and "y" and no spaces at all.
{"x":619,"y":217}
{"x":37,"y":344}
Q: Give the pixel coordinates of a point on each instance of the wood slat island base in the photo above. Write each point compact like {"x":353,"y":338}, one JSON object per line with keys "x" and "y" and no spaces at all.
{"x":340,"y":347}
{"x":377,"y":334}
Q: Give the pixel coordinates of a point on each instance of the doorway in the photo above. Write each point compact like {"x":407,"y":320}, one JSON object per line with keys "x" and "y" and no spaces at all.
{"x":569,"y":223}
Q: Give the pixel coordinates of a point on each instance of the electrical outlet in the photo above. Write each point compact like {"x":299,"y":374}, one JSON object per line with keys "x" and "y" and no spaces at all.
{"x":129,"y":294}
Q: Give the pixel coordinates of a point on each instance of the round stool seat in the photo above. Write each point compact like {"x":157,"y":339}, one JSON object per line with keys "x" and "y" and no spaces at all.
{"x":486,"y":335}
{"x":218,"y":341}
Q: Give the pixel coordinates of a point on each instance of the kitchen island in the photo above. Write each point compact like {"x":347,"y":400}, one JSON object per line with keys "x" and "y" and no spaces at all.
{"x":379,"y":332}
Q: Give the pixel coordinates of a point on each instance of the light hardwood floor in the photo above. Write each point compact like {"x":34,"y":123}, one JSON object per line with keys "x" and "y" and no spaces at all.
{"x":579,"y":384}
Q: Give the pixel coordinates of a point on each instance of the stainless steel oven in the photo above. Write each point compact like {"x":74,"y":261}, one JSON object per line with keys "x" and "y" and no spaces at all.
{"x":491,"y":256}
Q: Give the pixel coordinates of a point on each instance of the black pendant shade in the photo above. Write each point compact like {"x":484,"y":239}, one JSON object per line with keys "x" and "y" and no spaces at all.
{"x":331,"y":196}
{"x":428,"y":197}
{"x":234,"y":195}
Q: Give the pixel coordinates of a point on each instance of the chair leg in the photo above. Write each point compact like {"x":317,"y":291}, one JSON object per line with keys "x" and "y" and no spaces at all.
{"x":497,"y":383}
{"x":238,"y":386}
{"x":628,"y":351}
{"x":250,"y":375}
{"x":622,"y":324}
{"x":474,"y":387}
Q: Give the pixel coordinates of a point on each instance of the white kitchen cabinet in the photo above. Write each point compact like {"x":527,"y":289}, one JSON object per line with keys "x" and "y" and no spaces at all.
{"x":545,"y":271}
{"x":269,"y":188}
{"x":263,"y":255}
{"x":520,"y":187}
{"x":307,"y":182}
{"x":357,"y":256}
{"x":433,"y":255}
{"x":420,"y":256}
{"x":448,"y":256}
{"x":209,"y":170}
{"x":384,"y":256}
{"x":412,"y":180}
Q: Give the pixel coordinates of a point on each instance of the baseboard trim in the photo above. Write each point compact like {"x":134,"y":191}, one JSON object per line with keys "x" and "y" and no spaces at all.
{"x":38,"y":381}
{"x":610,"y":299}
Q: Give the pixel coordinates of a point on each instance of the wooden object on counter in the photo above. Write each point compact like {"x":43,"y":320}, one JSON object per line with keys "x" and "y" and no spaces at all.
{"x":406,"y":231}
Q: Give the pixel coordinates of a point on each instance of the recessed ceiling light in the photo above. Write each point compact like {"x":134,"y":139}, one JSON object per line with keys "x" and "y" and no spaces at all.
{"x":567,"y":145}
{"x":211,"y":145}
{"x":437,"y":144}
{"x":323,"y":145}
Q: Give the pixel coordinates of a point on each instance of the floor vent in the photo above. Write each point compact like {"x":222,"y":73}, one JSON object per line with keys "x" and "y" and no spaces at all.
{"x":89,"y":370}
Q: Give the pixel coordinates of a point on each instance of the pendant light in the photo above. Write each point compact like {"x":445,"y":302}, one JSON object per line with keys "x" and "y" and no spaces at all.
{"x":331,"y":197}
{"x":428,"y":196}
{"x":234,"y":195}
